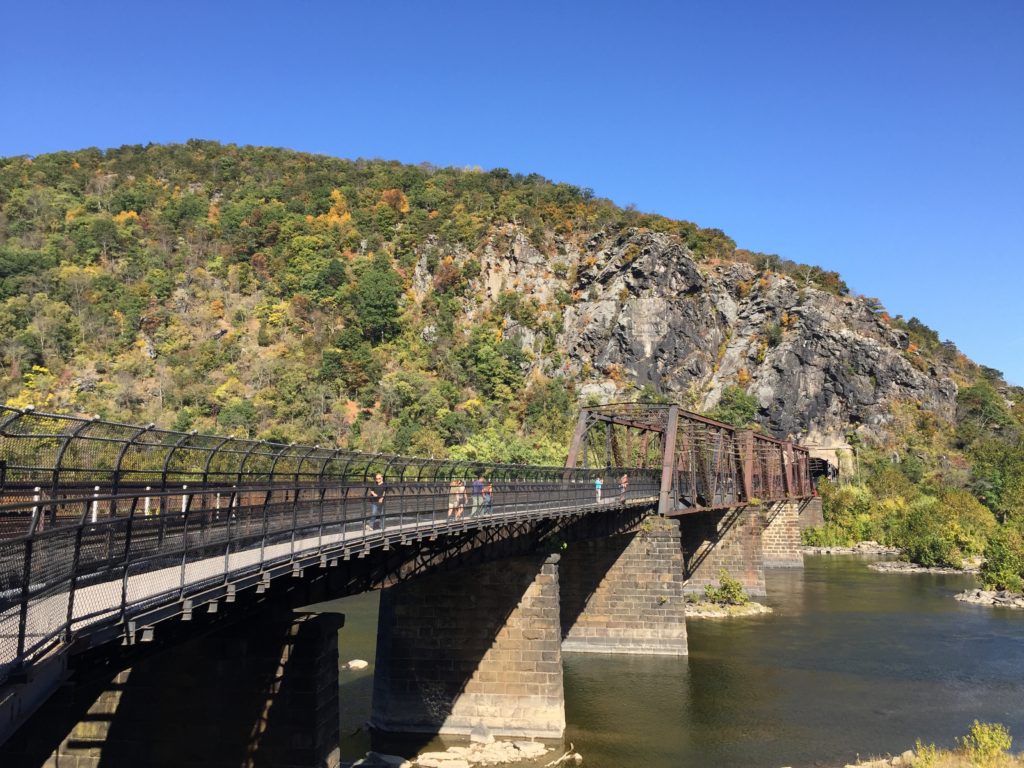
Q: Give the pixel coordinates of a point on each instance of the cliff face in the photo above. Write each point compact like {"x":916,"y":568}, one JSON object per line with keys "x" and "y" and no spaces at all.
{"x":644,"y":312}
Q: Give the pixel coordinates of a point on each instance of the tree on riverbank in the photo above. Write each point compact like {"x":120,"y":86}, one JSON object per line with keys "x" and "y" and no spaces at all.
{"x":954,"y":494}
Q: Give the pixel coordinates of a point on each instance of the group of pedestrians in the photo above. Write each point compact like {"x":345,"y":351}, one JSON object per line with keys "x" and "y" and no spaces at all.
{"x":480,"y":497}
{"x":623,"y":487}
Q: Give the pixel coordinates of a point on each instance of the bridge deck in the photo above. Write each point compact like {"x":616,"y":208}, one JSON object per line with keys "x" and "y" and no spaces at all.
{"x":123,"y":568}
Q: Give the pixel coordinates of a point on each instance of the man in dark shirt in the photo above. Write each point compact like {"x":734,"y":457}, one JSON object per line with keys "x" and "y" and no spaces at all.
{"x":378,"y":492}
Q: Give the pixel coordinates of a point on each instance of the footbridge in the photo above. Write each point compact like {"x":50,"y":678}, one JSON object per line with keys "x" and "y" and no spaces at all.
{"x":122,"y":545}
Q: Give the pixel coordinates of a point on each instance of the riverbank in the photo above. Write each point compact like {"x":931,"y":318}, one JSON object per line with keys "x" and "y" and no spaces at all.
{"x":905,"y":760}
{"x":900,"y":566}
{"x":493,"y":752}
{"x":708,"y":610}
{"x":1000,"y":599}
{"x":986,"y":744}
{"x":860,"y":548}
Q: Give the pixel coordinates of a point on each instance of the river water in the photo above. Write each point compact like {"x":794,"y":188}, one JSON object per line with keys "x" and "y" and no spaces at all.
{"x":851,"y":662}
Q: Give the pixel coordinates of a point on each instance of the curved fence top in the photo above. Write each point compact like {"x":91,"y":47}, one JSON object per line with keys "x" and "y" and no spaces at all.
{"x":52,"y":450}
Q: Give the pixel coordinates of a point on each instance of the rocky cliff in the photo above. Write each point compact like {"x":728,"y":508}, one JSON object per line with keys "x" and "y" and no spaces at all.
{"x":642,"y":311}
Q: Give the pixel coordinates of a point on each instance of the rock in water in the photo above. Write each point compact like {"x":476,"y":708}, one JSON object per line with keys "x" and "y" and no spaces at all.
{"x":481,"y":735}
{"x":379,"y":760}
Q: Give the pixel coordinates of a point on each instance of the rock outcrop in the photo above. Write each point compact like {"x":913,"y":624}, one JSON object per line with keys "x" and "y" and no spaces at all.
{"x":637,"y":309}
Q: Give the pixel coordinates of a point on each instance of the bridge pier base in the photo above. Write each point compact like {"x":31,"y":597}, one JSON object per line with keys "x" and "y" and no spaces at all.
{"x":781,"y":537}
{"x":729,"y":540}
{"x":477,"y":646}
{"x":624,"y":593}
{"x":263,"y":691}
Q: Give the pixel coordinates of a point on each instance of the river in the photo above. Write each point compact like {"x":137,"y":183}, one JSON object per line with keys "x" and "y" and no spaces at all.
{"x":851,"y":662}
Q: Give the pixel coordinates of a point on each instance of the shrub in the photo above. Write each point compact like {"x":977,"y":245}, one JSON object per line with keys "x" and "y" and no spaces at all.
{"x":985,"y":743}
{"x":730,"y":591}
{"x":828,"y":535}
{"x":928,"y":535}
{"x":925,"y":755}
{"x":1004,"y":559}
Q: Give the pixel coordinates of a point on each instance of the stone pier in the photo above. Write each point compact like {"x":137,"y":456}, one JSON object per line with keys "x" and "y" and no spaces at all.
{"x":477,"y":646}
{"x":811,"y":514}
{"x":260,"y":692}
{"x":624,"y":593}
{"x":727,"y":540}
{"x":781,"y":538}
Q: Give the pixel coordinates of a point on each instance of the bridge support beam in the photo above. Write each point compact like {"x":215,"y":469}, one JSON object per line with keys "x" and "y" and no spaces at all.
{"x":476,"y":646}
{"x":781,"y":538}
{"x":727,"y":540}
{"x":624,"y":593}
{"x":263,"y":691}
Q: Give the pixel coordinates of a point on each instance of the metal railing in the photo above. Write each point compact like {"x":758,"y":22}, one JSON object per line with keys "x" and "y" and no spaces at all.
{"x":101,"y":522}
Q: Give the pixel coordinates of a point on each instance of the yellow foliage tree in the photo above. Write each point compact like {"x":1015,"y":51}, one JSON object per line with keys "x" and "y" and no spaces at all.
{"x":395,"y":199}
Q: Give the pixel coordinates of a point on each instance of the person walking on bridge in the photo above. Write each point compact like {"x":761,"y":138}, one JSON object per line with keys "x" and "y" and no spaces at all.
{"x":456,"y":498}
{"x":478,"y":494}
{"x":378,"y":493}
{"x":488,"y":497}
{"x":598,"y":482}
{"x":623,"y":486}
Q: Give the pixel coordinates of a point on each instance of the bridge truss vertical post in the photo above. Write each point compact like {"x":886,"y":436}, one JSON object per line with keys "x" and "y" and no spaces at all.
{"x":745,"y":450}
{"x":668,"y":461}
{"x":577,"y":439}
{"x":787,"y":467}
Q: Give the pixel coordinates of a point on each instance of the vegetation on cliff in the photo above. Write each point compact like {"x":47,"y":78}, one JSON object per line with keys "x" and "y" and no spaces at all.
{"x":956,"y":491}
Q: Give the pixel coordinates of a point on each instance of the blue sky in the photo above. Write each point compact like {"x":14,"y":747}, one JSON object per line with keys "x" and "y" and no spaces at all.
{"x":881,"y":139}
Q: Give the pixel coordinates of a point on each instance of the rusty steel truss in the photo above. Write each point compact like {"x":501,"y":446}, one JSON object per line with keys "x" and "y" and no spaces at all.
{"x":705,"y":464}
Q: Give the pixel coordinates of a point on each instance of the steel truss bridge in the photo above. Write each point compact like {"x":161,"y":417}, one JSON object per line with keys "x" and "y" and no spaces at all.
{"x":108,"y":528}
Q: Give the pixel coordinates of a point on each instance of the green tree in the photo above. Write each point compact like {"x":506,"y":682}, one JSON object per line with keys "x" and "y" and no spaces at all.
{"x":736,"y":407}
{"x":377,"y":294}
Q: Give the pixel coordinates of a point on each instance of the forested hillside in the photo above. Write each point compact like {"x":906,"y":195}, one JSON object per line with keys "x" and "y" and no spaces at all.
{"x":445,"y":312}
{"x":270,"y":293}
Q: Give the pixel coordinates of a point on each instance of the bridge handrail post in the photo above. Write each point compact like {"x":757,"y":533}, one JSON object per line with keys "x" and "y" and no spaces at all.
{"x":58,"y":461}
{"x":116,"y":479}
{"x":126,"y":560}
{"x":269,"y":495}
{"x":227,"y":543}
{"x":25,"y":589}
{"x":186,"y":513}
{"x":298,"y":494}
{"x":76,"y":557}
{"x":322,"y":485}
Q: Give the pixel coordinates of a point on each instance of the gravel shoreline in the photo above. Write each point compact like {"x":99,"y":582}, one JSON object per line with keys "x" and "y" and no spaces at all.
{"x":860,"y":548}
{"x":1002,"y":599}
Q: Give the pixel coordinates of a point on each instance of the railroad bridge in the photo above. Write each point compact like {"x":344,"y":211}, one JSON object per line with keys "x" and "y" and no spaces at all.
{"x":152,"y":582}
